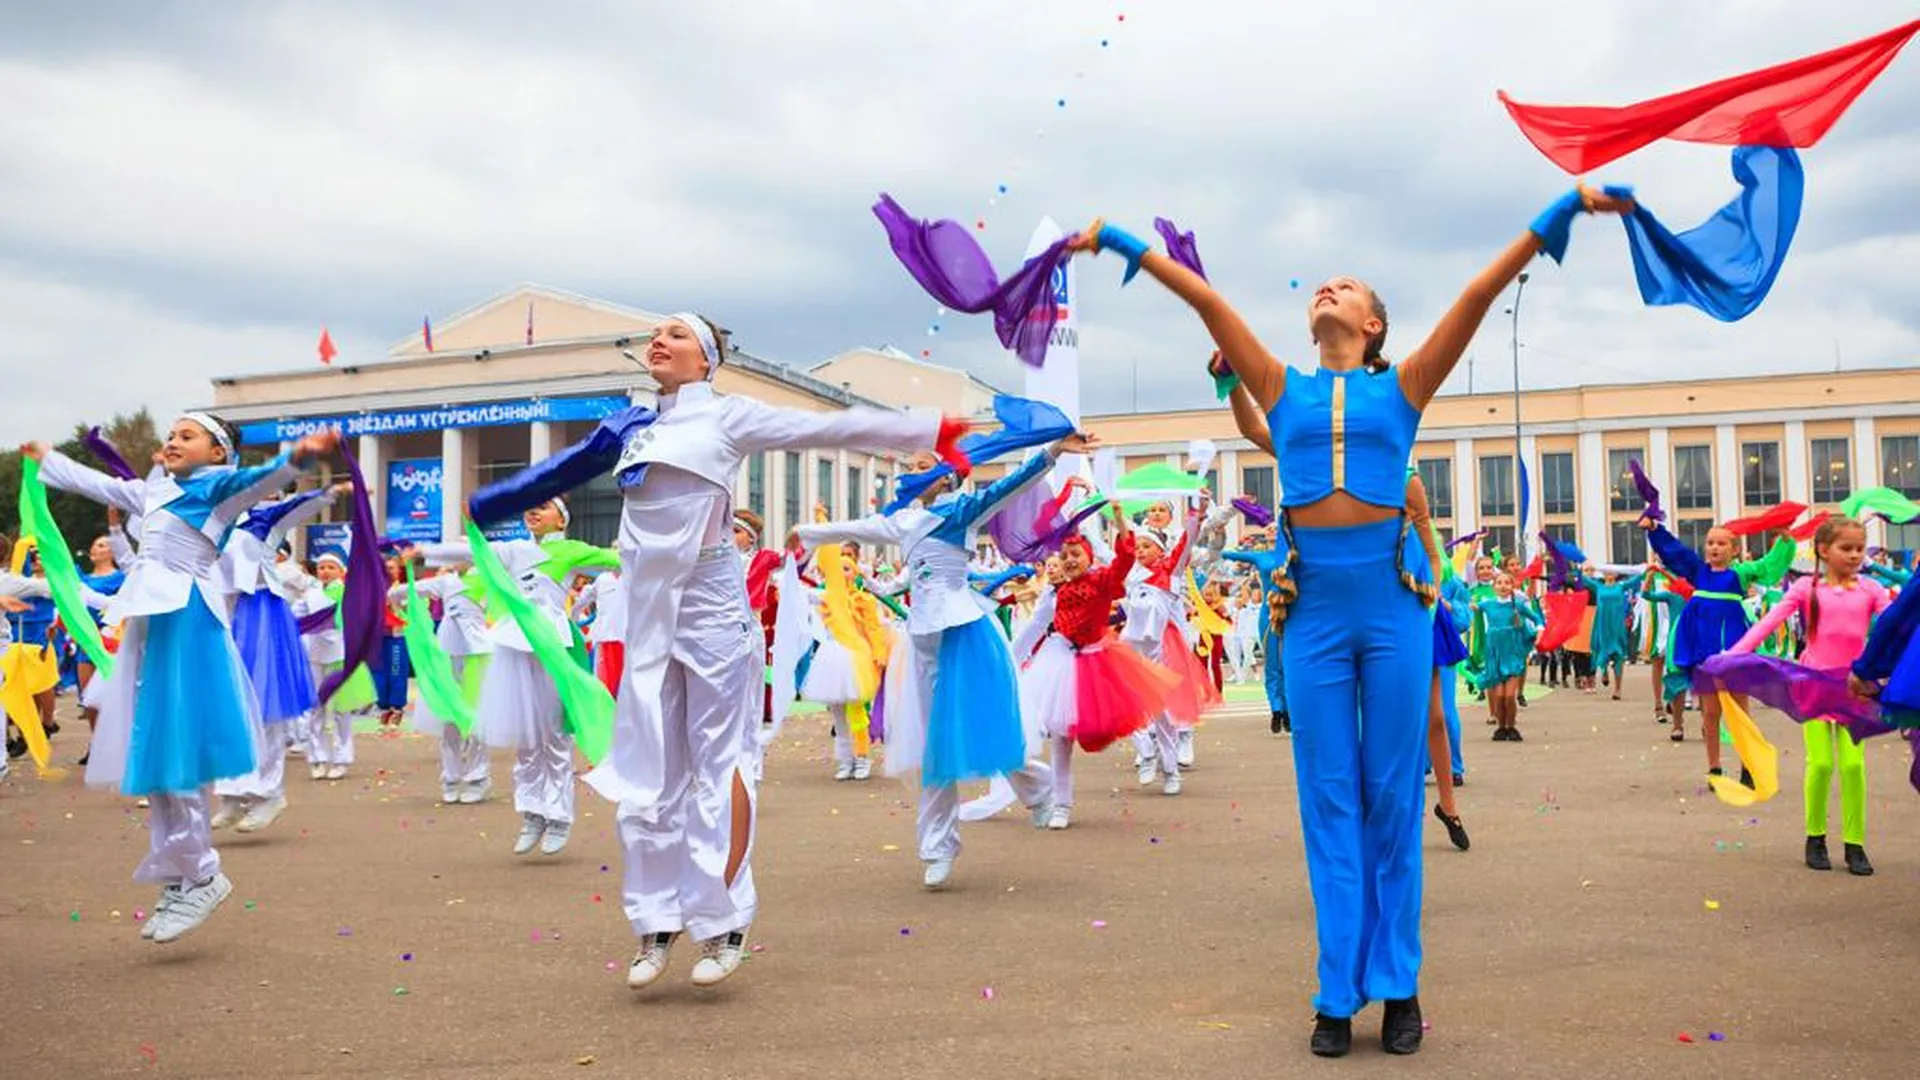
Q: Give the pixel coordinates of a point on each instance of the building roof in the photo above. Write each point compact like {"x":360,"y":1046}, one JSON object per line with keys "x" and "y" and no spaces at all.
{"x":895,"y":354}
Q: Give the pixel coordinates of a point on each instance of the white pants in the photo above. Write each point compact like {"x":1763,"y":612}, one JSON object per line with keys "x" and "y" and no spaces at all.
{"x":1062,"y":771}
{"x":542,"y":777}
{"x":180,"y":845}
{"x":331,"y":741}
{"x":695,"y":646}
{"x":268,"y":780}
{"x":842,"y":735}
{"x":938,"y":824}
{"x":1240,"y":656}
{"x":1159,"y":742}
{"x":464,"y":760}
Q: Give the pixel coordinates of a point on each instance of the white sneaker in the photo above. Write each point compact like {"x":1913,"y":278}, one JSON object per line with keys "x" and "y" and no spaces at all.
{"x":938,"y":871}
{"x":1171,"y":787}
{"x":1059,"y":818}
{"x":475,"y":791}
{"x":1147,"y":774}
{"x":719,"y":958}
{"x":1042,"y":813}
{"x":1184,"y":753}
{"x":862,"y":768}
{"x":651,"y":961}
{"x":843,"y":770}
{"x":191,"y":907}
{"x":261,"y":814}
{"x":317,"y":771}
{"x":532,"y":827}
{"x":555,"y":840}
{"x":336,"y":772}
{"x":230,"y":813}
{"x":168,"y":893}
{"x":449,"y":793}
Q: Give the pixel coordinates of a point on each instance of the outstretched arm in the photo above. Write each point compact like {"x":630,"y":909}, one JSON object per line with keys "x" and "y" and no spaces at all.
{"x":1248,"y":418}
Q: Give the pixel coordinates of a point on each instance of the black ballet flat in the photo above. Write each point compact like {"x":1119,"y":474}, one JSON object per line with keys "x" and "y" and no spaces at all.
{"x":1331,"y":1038}
{"x":1459,"y":779}
{"x":1456,"y":830}
{"x":1401,"y":1030}
{"x":1817,"y":854}
{"x":1857,"y":863}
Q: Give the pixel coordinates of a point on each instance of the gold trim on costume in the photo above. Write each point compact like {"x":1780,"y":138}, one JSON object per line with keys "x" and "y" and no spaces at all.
{"x":1339,"y":433}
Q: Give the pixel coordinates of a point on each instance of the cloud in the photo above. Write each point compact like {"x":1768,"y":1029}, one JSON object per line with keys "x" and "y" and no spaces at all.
{"x":197,"y":191}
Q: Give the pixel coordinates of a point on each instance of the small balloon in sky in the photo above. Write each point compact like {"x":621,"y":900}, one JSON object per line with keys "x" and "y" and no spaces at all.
{"x":981,"y":224}
{"x":1293,"y":283}
{"x":1103,"y":43}
{"x":1062,"y":103}
{"x":1003,"y":189}
{"x":924,"y":353}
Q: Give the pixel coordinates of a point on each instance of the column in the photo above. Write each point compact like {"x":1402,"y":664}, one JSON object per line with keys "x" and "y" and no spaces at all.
{"x":1866,"y":470}
{"x":1591,"y":501}
{"x":809,"y":484}
{"x":455,"y":465}
{"x":539,"y":441}
{"x":1793,"y":462}
{"x":1659,"y":463}
{"x":1466,"y":489}
{"x":373,"y":466}
{"x":1726,"y":473}
{"x":843,"y":492}
{"x":776,"y":474}
{"x":1229,"y":465}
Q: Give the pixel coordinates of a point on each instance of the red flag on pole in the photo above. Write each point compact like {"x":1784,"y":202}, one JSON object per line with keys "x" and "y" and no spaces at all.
{"x":327,"y":351}
{"x":426,"y":331}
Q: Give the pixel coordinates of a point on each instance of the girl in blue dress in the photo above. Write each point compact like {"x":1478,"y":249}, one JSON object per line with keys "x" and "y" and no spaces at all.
{"x":178,"y":712}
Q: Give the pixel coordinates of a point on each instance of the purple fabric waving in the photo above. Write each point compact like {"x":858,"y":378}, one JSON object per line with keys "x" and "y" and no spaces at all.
{"x":947,"y":262}
{"x":1030,"y":526}
{"x":1557,"y":579}
{"x":1258,"y":516}
{"x":364,"y":602}
{"x":1180,"y":246}
{"x":1648,"y":493}
{"x":1467,"y":539}
{"x":110,"y":458}
{"x":1801,"y":692}
{"x":315,"y":622}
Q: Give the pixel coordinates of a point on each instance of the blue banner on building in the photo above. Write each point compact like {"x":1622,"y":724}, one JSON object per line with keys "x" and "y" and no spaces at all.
{"x":407,"y":421}
{"x":413,"y":499}
{"x":327,"y":536}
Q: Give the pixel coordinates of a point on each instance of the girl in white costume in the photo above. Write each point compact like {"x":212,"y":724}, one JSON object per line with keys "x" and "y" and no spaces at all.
{"x":935,"y":534}
{"x":177,"y":712}
{"x":463,"y":636}
{"x":1156,"y":628}
{"x":687,"y":714}
{"x":519,"y":706}
{"x":330,"y":725}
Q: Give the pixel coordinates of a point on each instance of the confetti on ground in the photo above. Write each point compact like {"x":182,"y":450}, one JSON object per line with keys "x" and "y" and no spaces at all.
{"x":596,"y":898}
{"x":1715,"y":1036}
{"x":344,"y":932}
{"x":889,"y":847}
{"x":905,"y":932}
{"x":251,"y":905}
{"x":613,"y":965}
{"x":1686,"y":1038}
{"x":986,"y":993}
{"x":1216,"y":1025}
{"x":756,"y":948}
{"x":1713,"y":905}
{"x":399,"y":991}
{"x":585,"y":1059}
{"x":1099,"y":924}
{"x":150,"y":1052}
{"x":138,"y":914}
{"x":406,"y":957}
{"x":114,"y":914}
{"x":74,"y":915}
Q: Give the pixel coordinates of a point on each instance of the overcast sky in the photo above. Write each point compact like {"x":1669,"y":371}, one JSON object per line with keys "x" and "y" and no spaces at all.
{"x":193,"y":189}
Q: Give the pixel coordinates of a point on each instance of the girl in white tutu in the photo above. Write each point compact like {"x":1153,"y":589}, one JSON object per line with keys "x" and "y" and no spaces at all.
{"x":519,"y":706}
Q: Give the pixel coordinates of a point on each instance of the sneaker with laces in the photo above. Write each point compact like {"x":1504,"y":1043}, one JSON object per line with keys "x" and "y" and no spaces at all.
{"x":843,"y":770}
{"x":719,"y":958}
{"x":168,"y":893}
{"x":449,"y":794}
{"x":532,"y":827}
{"x":1183,"y":753}
{"x":336,"y":772}
{"x":261,"y":814}
{"x":190,"y":907}
{"x":1148,"y":772}
{"x":1171,"y":787}
{"x":475,"y":792}
{"x":229,"y":814}
{"x":938,"y":871}
{"x":1060,"y":818}
{"x":651,"y":961}
{"x":555,"y":840}
{"x":862,"y":768}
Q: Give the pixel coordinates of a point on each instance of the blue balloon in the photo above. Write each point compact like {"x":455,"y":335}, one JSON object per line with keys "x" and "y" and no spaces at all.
{"x":1293,"y":283}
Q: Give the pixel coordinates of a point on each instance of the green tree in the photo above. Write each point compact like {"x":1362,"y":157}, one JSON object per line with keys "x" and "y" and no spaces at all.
{"x":80,"y":519}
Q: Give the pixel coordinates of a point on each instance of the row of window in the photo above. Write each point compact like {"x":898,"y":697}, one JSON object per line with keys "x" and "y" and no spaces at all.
{"x":858,"y":500}
{"x":1829,"y":461}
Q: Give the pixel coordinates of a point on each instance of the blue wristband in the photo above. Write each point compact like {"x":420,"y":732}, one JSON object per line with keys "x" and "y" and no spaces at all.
{"x":1115,"y":238}
{"x":1554,"y":226}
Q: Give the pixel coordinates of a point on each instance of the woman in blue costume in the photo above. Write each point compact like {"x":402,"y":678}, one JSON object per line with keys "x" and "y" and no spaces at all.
{"x":952,"y":699}
{"x":177,"y":713}
{"x":104,"y":577}
{"x":1360,"y":638}
{"x":1716,"y":615}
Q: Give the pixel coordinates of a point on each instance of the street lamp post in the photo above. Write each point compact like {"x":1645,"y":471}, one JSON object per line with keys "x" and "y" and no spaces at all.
{"x":1519,"y":488}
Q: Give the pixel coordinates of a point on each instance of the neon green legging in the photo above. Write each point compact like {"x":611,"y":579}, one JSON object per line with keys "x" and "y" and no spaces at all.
{"x":1826,"y":740}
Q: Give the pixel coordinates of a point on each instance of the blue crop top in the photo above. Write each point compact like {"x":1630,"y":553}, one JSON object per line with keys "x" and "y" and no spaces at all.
{"x":1343,"y":431}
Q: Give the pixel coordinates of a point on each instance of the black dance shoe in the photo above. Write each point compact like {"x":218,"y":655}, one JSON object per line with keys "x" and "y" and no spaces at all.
{"x":1456,"y":830}
{"x":1857,"y":863}
{"x":1331,"y":1038}
{"x":1400,"y":1031}
{"x":1817,"y":854}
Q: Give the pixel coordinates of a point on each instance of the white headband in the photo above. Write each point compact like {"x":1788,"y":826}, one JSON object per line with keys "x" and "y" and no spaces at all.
{"x":328,"y":556}
{"x":566,"y":516}
{"x":708,"y":344}
{"x":215,"y":430}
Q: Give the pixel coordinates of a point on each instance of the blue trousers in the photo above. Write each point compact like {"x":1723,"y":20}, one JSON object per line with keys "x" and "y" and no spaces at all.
{"x":1360,"y":644}
{"x":1449,"y":689}
{"x":1270,"y":660}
